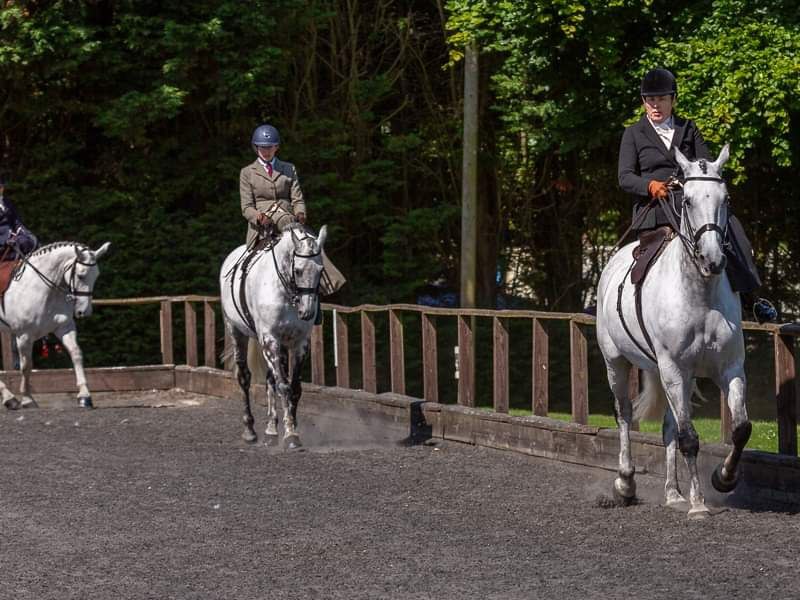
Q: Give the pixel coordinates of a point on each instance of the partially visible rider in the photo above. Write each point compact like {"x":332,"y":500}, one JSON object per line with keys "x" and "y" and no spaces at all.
{"x":16,"y":240}
{"x":648,"y":170}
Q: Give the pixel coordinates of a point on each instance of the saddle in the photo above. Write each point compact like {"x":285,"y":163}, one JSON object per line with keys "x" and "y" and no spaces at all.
{"x":651,"y":244}
{"x":7,"y":269}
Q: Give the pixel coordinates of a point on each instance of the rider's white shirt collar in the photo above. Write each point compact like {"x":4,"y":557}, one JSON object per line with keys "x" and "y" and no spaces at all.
{"x":263,"y":162}
{"x":665,"y":130}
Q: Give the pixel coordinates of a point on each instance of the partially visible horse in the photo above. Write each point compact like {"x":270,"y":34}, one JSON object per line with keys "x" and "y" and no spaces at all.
{"x":50,"y":288}
{"x":271,"y":295}
{"x":692,"y":328}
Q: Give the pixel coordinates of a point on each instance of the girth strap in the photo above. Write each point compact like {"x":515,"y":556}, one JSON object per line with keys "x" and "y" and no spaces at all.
{"x":638,"y":297}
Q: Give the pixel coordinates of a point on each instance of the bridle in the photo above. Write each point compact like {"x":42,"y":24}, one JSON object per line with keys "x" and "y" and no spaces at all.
{"x":691,"y":242}
{"x":289,"y":283}
{"x":69,"y":290}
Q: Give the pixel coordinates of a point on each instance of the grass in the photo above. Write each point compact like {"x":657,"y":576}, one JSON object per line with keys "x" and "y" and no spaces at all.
{"x":765,"y":433}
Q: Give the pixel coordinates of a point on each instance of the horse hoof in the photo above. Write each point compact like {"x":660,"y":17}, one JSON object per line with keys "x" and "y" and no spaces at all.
{"x":249,"y":436}
{"x":293,"y":442}
{"x":28,"y":402}
{"x":11,"y":403}
{"x":698,"y":513}
{"x":621,"y":499}
{"x":85,"y":402}
{"x":271,"y":439}
{"x":720,"y":484}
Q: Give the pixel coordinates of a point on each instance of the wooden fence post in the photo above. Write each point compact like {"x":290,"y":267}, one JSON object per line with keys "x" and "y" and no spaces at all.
{"x":541,"y":370}
{"x":786,"y":394}
{"x":209,"y":335}
{"x":579,"y":379}
{"x":8,"y":354}
{"x":368,"y":367}
{"x":466,"y":361}
{"x":317,"y":356}
{"x":342,"y":351}
{"x":500,"y":364}
{"x":396,"y":354}
{"x":430,"y":366}
{"x":190,"y":317}
{"x":166,"y":332}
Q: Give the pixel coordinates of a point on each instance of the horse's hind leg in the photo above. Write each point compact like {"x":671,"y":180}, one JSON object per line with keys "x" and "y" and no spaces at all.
{"x":243,"y":377}
{"x":69,"y":338}
{"x":725,"y":477}
{"x":618,"y":370}
{"x":669,"y":434}
{"x":25,"y":347}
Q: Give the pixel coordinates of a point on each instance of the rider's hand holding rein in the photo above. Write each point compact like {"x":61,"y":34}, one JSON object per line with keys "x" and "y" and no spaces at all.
{"x":658,"y":189}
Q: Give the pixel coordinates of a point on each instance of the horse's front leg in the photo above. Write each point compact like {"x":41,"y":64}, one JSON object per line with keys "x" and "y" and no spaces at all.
{"x":618,"y":370}
{"x":669,"y":435}
{"x":69,"y":339}
{"x":25,"y":349}
{"x":243,"y":377}
{"x":298,"y":360}
{"x":733,"y":385}
{"x":678,"y":388}
{"x":277,"y":363}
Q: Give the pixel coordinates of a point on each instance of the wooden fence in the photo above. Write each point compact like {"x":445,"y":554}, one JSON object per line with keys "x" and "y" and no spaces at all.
{"x":783,"y":347}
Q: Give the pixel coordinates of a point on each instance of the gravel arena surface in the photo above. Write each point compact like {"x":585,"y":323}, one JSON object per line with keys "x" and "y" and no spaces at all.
{"x":154,"y":495}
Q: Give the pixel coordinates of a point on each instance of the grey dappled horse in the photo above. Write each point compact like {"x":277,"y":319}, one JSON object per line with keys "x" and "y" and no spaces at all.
{"x":52,"y":287}
{"x":275,"y":304}
{"x":695,"y":323}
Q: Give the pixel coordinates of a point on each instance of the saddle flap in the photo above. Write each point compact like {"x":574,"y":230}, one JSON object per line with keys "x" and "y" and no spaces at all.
{"x":651,"y":244}
{"x":7,"y":268}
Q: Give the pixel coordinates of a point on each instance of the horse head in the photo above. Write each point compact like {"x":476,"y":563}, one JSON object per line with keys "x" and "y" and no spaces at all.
{"x":307,"y":269}
{"x":704,"y":218}
{"x":80,"y":277}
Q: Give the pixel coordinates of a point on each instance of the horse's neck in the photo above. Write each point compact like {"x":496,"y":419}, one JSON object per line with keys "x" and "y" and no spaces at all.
{"x":53,"y":263}
{"x":684,"y":276}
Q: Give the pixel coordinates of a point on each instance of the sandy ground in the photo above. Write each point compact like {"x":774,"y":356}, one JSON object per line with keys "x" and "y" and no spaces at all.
{"x":153,"y":495}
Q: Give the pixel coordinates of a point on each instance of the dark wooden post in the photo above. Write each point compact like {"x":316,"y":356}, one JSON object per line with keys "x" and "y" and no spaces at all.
{"x":466,"y":361}
{"x":633,"y":391}
{"x":166,"y":332}
{"x":8,"y":356}
{"x":579,"y":374}
{"x":317,"y":356}
{"x":191,"y":333}
{"x":209,"y":335}
{"x":342,"y":351}
{"x":430,"y":366}
{"x":368,"y":370}
{"x":227,"y":350}
{"x":397,"y":361}
{"x":786,"y":394}
{"x":500,"y":360}
{"x":541,"y":370}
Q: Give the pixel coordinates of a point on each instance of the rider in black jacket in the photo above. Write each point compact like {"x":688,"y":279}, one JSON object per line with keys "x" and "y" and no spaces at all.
{"x":15,"y":239}
{"x":647,"y":162}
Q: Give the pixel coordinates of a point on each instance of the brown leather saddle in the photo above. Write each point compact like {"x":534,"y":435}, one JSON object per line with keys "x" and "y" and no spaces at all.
{"x":7,"y":269}
{"x":651,"y":244}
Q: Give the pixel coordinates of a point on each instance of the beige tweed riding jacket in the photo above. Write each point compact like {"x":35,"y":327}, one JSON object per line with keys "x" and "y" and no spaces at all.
{"x":278,"y":195}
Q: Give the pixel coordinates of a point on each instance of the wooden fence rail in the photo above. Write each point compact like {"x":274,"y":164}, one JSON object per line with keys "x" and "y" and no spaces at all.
{"x":783,"y":347}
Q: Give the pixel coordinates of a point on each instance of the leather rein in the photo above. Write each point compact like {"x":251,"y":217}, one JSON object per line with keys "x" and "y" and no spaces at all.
{"x":69,"y":290}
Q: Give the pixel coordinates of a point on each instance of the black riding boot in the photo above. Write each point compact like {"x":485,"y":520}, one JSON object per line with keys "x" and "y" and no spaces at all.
{"x":743,"y":274}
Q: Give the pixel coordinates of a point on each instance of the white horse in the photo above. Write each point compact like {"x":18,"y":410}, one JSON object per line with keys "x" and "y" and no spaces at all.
{"x":694,"y":323}
{"x":51,"y":287}
{"x":272,"y":295}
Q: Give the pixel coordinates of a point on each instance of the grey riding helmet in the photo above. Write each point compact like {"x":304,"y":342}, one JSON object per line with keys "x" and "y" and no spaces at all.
{"x":265,"y":135}
{"x":659,"y":82}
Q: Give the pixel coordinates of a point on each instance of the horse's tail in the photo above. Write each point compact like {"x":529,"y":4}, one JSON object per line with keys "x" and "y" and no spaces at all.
{"x":652,"y":401}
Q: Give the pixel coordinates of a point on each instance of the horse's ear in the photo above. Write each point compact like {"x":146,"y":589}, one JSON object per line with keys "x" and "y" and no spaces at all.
{"x":101,"y":250}
{"x":723,"y":157}
{"x":684,"y":162}
{"x":323,"y":234}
